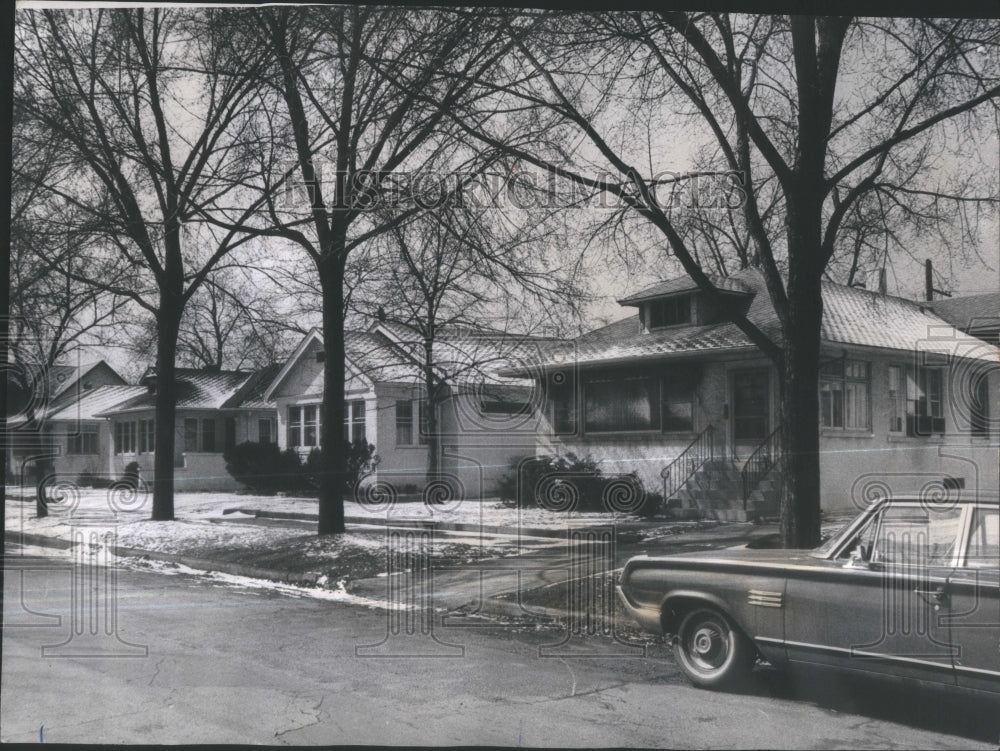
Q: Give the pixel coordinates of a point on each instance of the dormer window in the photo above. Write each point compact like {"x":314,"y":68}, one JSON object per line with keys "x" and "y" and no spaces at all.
{"x":670,"y":311}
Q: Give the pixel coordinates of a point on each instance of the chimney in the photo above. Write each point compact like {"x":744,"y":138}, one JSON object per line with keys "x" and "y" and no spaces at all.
{"x":881,"y":281}
{"x":928,"y":280}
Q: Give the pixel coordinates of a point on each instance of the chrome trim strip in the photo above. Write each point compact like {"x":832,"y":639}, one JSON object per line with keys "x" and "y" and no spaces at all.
{"x":978,"y":670}
{"x":765,"y":599}
{"x":859,"y":653}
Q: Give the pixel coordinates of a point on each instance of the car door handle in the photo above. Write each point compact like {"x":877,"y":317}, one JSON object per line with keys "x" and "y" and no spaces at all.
{"x":936,"y":597}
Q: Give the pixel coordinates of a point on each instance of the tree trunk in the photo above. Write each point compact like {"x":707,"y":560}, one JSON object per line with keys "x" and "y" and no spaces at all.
{"x":167,"y":327}
{"x":800,"y":499}
{"x":433,"y":431}
{"x":333,"y":472}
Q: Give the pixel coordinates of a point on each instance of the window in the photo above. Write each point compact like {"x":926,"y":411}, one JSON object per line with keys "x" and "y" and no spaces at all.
{"x":84,"y":443}
{"x":562,"y":400}
{"x":404,"y":422}
{"x":916,"y":535}
{"x":304,"y":423}
{"x":677,"y":403}
{"x":264,"y":432}
{"x":843,"y":395}
{"x":294,"y":437}
{"x":354,"y":420}
{"x":897,"y":399}
{"x":979,"y":417}
{"x":199,"y":435}
{"x":125,"y":435}
{"x":310,"y":425}
{"x":208,"y":435}
{"x":984,"y":539}
{"x":924,"y":401}
{"x":621,"y":403}
{"x":672,"y":311}
{"x":230,"y":440}
{"x":425,"y":428}
{"x":147,"y":436}
{"x":191,"y":435}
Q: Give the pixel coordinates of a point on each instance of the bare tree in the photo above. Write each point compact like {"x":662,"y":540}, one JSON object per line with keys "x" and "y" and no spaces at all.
{"x":233,"y":322}
{"x":775,"y":94}
{"x":148,"y":110}
{"x":463,"y":278}
{"x":50,"y":311}
{"x":362,"y":91}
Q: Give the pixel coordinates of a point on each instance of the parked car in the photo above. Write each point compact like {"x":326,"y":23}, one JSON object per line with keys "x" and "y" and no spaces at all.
{"x":908,"y":588}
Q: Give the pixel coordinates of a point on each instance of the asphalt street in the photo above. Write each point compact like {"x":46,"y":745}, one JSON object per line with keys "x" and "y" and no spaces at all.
{"x":183,"y":659}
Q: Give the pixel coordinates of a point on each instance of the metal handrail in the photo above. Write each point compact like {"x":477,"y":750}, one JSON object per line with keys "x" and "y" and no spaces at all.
{"x":761,"y":461}
{"x":689,"y":461}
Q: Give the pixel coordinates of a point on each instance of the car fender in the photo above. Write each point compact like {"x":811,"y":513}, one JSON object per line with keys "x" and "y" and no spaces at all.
{"x":694,"y":595}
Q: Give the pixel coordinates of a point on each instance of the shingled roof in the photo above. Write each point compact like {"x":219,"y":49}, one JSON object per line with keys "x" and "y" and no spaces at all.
{"x":201,"y":389}
{"x":851,"y":317}
{"x":978,"y":315}
{"x":94,"y":402}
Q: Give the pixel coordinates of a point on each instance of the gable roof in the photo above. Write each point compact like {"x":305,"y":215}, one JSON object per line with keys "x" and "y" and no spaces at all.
{"x":851,"y":317}
{"x":370,"y":355}
{"x":57,"y":382}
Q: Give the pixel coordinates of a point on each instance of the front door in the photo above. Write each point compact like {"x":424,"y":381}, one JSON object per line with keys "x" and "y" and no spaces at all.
{"x":751,"y":407}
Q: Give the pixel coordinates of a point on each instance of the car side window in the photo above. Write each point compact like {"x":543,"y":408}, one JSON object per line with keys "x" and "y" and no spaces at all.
{"x":862,"y":540}
{"x":984,"y":539}
{"x":917,"y":535}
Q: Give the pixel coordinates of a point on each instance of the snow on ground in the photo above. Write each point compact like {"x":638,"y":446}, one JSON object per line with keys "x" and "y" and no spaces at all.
{"x":80,"y":502}
{"x":201,"y":530}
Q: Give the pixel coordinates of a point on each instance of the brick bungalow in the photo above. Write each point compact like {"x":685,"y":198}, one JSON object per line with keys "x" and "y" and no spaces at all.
{"x":680,"y":396}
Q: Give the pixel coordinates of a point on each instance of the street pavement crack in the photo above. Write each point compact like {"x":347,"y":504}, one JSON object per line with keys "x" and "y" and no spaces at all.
{"x":156,"y":671}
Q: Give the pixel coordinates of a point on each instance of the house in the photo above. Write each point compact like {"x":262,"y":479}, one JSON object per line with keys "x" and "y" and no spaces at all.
{"x":35,"y":395}
{"x":680,"y":396}
{"x":216,"y":409}
{"x":485,"y":421}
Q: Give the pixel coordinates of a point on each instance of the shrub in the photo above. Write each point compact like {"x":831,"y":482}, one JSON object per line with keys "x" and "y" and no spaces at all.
{"x":131,"y":475}
{"x":361,"y":461}
{"x":264,"y":468}
{"x":569,"y":483}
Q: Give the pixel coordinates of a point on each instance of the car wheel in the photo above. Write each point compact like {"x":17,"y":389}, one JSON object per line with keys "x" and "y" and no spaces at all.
{"x":711,"y":651}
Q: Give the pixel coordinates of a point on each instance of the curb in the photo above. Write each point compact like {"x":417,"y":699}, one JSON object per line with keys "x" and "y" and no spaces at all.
{"x":41,"y":541}
{"x":202,"y":564}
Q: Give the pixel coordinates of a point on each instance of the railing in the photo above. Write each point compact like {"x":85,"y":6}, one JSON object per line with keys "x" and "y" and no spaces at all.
{"x":761,"y":461}
{"x":699,"y":451}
